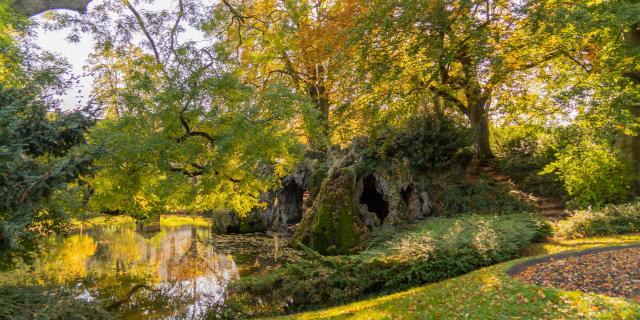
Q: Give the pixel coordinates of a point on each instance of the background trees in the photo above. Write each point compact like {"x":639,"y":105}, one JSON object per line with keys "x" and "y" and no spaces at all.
{"x":302,"y":44}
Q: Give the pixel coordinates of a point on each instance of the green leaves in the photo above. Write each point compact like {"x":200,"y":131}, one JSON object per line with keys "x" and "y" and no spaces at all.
{"x":40,"y":153}
{"x":592,"y":173}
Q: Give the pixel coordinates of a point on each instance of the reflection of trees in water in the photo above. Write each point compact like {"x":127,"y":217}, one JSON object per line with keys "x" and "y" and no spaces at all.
{"x":105,"y":263}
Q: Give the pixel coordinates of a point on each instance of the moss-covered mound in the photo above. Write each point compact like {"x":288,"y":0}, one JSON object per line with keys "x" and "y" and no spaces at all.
{"x":333,"y":225}
{"x":359,"y":194}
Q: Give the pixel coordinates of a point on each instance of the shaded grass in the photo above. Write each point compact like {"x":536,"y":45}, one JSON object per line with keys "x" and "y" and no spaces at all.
{"x":489,"y":293}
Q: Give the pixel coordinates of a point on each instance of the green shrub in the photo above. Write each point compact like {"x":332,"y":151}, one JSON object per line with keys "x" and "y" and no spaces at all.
{"x":438,"y":249}
{"x":592,"y":173}
{"x":612,"y":219}
{"x":432,"y":141}
{"x":35,"y":302}
{"x":523,"y":151}
{"x":481,"y":197}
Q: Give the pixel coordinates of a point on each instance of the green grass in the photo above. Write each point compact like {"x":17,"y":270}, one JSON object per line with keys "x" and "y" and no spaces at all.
{"x":489,"y":293}
{"x":167,"y":221}
{"x":439,"y":248}
{"x":173,"y":220}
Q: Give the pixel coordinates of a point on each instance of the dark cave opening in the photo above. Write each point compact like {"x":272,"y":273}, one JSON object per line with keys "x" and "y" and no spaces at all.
{"x":293,"y":195}
{"x":373,"y":199}
{"x":405,"y":193}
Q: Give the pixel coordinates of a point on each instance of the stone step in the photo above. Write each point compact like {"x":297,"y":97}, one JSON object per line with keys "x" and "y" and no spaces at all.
{"x":551,"y":206}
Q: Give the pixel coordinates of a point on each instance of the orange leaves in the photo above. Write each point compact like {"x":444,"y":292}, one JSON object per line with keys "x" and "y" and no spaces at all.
{"x":611,"y":273}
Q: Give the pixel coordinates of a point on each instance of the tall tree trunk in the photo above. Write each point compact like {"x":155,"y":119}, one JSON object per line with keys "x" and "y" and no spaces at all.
{"x":477,"y":107}
{"x":479,"y":117}
{"x":630,"y":144}
{"x":318,"y":94}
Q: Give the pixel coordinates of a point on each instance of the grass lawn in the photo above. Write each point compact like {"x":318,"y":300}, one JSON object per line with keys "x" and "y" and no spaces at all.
{"x":489,"y":293}
{"x":166,"y":220}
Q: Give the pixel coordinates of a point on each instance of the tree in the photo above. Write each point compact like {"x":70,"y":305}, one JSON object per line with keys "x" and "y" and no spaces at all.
{"x":460,"y":52}
{"x":181,"y":133}
{"x":299,"y":43}
{"x":39,"y":154}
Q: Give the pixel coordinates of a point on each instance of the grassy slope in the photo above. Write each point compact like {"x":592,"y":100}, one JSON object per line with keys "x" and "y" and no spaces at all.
{"x":490,"y":293}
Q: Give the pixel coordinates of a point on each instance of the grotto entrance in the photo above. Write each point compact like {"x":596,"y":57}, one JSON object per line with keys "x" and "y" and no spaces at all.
{"x":292,"y":196}
{"x":373,"y":198}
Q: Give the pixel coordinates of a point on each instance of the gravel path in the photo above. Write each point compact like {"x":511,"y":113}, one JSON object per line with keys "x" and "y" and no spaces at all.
{"x":613,"y":273}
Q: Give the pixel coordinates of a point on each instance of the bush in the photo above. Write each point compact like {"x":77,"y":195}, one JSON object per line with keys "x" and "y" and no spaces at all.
{"x":592,"y":173}
{"x":432,"y":141}
{"x":438,"y":249}
{"x":35,"y":302}
{"x":613,"y":219}
{"x":481,"y":197}
{"x":523,"y":151}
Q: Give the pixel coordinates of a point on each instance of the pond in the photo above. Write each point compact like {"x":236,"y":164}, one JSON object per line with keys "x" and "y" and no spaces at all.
{"x":176,"y":272}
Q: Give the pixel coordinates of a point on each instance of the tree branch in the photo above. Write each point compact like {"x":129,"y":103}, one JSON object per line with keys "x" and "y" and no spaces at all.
{"x":448,"y":96}
{"x":187,"y":172}
{"x":175,"y":28}
{"x":31,"y":8}
{"x":191,"y":133}
{"x":201,"y":171}
{"x":144,"y":30}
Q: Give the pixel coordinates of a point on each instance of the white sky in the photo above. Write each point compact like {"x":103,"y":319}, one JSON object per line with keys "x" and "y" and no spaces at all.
{"x":77,"y":53}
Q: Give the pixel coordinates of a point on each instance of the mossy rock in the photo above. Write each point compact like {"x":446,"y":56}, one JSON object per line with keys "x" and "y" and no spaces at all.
{"x":251,"y":224}
{"x":227,"y":221}
{"x":332,"y":226}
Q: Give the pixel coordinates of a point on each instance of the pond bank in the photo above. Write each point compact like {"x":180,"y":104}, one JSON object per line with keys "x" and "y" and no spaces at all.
{"x":179,"y":271}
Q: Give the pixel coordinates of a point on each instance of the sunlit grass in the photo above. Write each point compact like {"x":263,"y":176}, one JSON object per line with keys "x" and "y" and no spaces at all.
{"x":559,"y":245}
{"x":167,"y":221}
{"x":489,"y":293}
{"x":101,"y":221}
{"x":173,"y":220}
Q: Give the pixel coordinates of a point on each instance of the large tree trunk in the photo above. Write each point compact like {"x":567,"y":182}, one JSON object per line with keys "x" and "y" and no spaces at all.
{"x":479,"y":117}
{"x":480,"y":125}
{"x":318,"y":94}
{"x":478,"y":100}
{"x":477,"y":109}
{"x":33,"y":7}
{"x":630,"y":144}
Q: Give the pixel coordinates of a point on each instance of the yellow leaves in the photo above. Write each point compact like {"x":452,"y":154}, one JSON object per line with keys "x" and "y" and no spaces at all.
{"x":280,"y":171}
{"x":521,"y":298}
{"x":541,"y":294}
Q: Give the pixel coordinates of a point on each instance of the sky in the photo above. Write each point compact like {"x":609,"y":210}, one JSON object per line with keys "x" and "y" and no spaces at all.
{"x":78,"y":53}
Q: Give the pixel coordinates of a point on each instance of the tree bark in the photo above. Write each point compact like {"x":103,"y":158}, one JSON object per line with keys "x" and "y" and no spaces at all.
{"x":318,"y":94}
{"x":479,"y":117}
{"x":630,"y":144}
{"x":477,"y":106}
{"x":33,"y":7}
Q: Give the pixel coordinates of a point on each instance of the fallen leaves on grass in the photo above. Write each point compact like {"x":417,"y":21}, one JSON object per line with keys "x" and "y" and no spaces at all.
{"x":614,"y":273}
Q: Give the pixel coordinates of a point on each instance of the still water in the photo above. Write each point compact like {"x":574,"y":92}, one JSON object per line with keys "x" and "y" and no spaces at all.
{"x":173,"y":273}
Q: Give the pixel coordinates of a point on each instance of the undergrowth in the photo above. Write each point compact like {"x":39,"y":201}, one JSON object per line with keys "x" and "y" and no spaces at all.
{"x":34,"y":302}
{"x":612,"y":219}
{"x":438,"y":249}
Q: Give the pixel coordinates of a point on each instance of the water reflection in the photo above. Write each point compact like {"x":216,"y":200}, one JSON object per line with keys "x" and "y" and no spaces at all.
{"x":167,"y":274}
